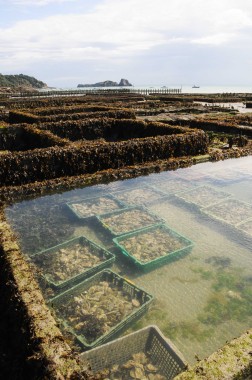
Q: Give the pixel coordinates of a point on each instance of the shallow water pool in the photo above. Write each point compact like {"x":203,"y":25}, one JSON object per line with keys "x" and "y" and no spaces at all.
{"x":203,"y":296}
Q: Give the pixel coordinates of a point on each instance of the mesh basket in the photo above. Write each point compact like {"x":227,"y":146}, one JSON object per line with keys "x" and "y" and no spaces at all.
{"x":174,"y":185}
{"x":132,"y":226}
{"x":114,"y":279}
{"x":148,"y":340}
{"x":230,"y":211}
{"x":107,"y":259}
{"x":202,"y":196}
{"x":168,"y":256}
{"x":113,"y":204}
{"x":139,"y":196}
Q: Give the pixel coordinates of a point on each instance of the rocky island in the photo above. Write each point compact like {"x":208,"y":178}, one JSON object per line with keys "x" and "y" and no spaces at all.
{"x":108,"y":83}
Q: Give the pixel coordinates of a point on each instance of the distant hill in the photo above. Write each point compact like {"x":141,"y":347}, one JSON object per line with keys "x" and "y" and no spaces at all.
{"x":20,"y":80}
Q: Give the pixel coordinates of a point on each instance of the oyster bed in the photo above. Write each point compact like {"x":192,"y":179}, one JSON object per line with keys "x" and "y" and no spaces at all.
{"x":93,"y":312}
{"x":150,"y":244}
{"x":140,"y":366}
{"x":128,"y":220}
{"x":68,"y":262}
{"x":138,"y":196}
{"x":175,"y":185}
{"x":94,"y":206}
{"x":203,"y":196}
{"x":231,"y":211}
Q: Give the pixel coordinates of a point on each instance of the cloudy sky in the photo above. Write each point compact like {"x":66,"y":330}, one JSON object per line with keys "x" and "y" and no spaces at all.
{"x":154,"y":42}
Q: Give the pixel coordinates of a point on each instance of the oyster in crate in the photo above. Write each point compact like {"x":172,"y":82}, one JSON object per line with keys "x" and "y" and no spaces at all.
{"x":96,"y":310}
{"x":175,"y":185}
{"x":152,"y":244}
{"x":94,"y":206}
{"x":74,"y":259}
{"x":231,"y":211}
{"x":124,"y":221}
{"x":203,"y":196}
{"x":99,"y":308}
{"x":139,"y":196}
{"x":246,"y":227}
{"x":139,"y":366}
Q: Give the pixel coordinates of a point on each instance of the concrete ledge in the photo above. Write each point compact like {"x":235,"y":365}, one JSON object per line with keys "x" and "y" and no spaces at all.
{"x":233,"y":361}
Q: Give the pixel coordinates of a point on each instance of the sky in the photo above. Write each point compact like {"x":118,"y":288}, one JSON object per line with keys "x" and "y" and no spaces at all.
{"x":148,"y":42}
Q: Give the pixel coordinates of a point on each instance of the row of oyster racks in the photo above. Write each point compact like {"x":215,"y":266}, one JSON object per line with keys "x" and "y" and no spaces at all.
{"x":128,"y":220}
{"x":230,"y":211}
{"x":86,"y":208}
{"x":146,"y":349}
{"x":153,"y":246}
{"x":70,"y":262}
{"x":110,"y":304}
{"x":202,"y":196}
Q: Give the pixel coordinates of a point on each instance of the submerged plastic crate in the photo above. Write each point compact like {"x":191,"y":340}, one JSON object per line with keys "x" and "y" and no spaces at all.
{"x":203,"y":196}
{"x":114,"y":280}
{"x":115,"y":227}
{"x":230,"y":211}
{"x":222,"y":177}
{"x":148,"y":340}
{"x":112,"y":204}
{"x":245,"y":228}
{"x":139,"y":196}
{"x":107,"y":259}
{"x":186,"y":246}
{"x":174,"y":185}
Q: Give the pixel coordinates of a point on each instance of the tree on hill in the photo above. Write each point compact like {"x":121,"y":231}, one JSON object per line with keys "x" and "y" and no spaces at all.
{"x":20,"y":80}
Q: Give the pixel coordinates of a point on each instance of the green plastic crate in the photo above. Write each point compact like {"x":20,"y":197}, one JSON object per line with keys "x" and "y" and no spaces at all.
{"x":245,"y":228}
{"x":186,"y":248}
{"x":114,"y":280}
{"x":133,"y":197}
{"x":198,"y":197}
{"x":70,"y":206}
{"x":108,"y":259}
{"x":174,"y":185}
{"x":131,"y":228}
{"x":230,"y":205}
{"x":149,"y":340}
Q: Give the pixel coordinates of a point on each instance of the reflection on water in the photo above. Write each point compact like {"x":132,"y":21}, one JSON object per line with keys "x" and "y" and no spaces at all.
{"x":202,"y":297}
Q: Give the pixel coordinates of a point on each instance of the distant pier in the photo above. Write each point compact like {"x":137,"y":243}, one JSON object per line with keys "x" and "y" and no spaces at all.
{"x":100,"y":91}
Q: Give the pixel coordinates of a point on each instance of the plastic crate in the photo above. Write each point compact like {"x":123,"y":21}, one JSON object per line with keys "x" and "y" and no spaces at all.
{"x":118,"y":215}
{"x":221,"y":177}
{"x":108,"y":259}
{"x":203,"y":196}
{"x":114,"y":204}
{"x":114,"y":280}
{"x":232,"y":206}
{"x":148,"y":340}
{"x":139,"y":196}
{"x":174,"y":186}
{"x":168,"y":256}
{"x":245,"y":228}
